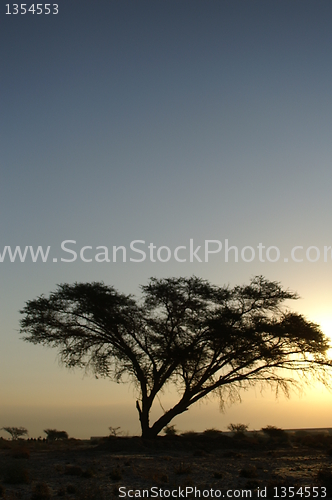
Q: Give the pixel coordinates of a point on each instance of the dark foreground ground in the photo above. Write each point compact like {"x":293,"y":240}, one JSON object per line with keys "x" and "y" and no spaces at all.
{"x":218,"y":466}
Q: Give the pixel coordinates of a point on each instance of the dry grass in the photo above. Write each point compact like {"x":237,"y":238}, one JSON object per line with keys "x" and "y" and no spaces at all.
{"x":77,"y":470}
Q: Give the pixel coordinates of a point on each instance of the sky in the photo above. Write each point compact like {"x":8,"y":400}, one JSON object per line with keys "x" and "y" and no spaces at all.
{"x":167,"y":122}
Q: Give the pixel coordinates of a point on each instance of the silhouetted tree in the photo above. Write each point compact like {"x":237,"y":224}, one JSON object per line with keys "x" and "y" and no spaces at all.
{"x":238,"y":428}
{"x":16,"y":432}
{"x":115,"y":431}
{"x":187,"y":332}
{"x":55,"y":435}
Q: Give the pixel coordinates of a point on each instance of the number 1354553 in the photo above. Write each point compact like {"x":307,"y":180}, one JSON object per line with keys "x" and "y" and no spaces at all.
{"x":35,"y":8}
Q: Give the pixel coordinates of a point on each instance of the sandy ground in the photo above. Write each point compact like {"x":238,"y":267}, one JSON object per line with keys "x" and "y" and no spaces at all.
{"x":124,"y":468}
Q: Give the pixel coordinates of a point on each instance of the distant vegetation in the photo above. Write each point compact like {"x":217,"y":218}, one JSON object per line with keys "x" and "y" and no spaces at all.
{"x":44,"y":469}
{"x":16,"y":432}
{"x":55,"y":435}
{"x":238,"y":428}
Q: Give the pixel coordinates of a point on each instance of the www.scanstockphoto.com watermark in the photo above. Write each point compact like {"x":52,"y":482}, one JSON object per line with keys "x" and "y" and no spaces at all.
{"x":141,"y":251}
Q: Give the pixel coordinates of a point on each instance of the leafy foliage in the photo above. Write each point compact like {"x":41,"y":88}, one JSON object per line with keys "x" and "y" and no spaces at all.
{"x":185,"y":331}
{"x":170,"y":430}
{"x":238,"y":428}
{"x":115,"y":431}
{"x":55,"y":435}
{"x":16,"y":432}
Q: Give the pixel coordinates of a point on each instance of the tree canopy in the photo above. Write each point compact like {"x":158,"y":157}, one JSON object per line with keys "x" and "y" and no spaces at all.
{"x":55,"y":435}
{"x":202,"y":338}
{"x":16,"y":432}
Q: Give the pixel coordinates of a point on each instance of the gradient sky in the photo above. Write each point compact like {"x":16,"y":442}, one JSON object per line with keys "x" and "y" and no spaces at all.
{"x":161,"y":121}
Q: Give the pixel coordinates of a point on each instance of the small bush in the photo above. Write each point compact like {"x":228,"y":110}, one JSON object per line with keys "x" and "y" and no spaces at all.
{"x":213,"y":433}
{"x":170,"y":430}
{"x":41,"y":491}
{"x":275,"y":433}
{"x":238,"y":428}
{"x":189,"y":434}
{"x":115,"y":431}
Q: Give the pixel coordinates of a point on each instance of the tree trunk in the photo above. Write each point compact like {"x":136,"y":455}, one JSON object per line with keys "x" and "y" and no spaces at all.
{"x":152,"y":432}
{"x":144,"y":417}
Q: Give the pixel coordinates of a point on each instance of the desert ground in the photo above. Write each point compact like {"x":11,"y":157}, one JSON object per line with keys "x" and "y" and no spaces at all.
{"x":273,"y":464}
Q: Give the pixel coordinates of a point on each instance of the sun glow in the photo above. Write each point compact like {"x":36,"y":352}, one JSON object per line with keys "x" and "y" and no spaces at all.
{"x":325,"y":323}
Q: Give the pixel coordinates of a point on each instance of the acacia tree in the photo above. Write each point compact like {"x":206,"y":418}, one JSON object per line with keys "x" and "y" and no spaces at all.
{"x":187,"y":332}
{"x":16,"y":432}
{"x":55,"y":435}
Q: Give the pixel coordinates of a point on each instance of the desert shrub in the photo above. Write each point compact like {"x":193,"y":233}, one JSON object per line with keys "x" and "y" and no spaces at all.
{"x":16,"y":473}
{"x":275,"y":433}
{"x":41,"y":491}
{"x":238,"y":428}
{"x":115,"y":431}
{"x":189,"y":434}
{"x":316,"y":440}
{"x":73,"y":470}
{"x":170,"y":430}
{"x":213,"y":433}
{"x":55,"y":435}
{"x":307,"y":440}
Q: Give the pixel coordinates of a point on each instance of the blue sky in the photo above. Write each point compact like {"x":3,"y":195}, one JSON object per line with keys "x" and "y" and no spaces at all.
{"x":161,"y":121}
